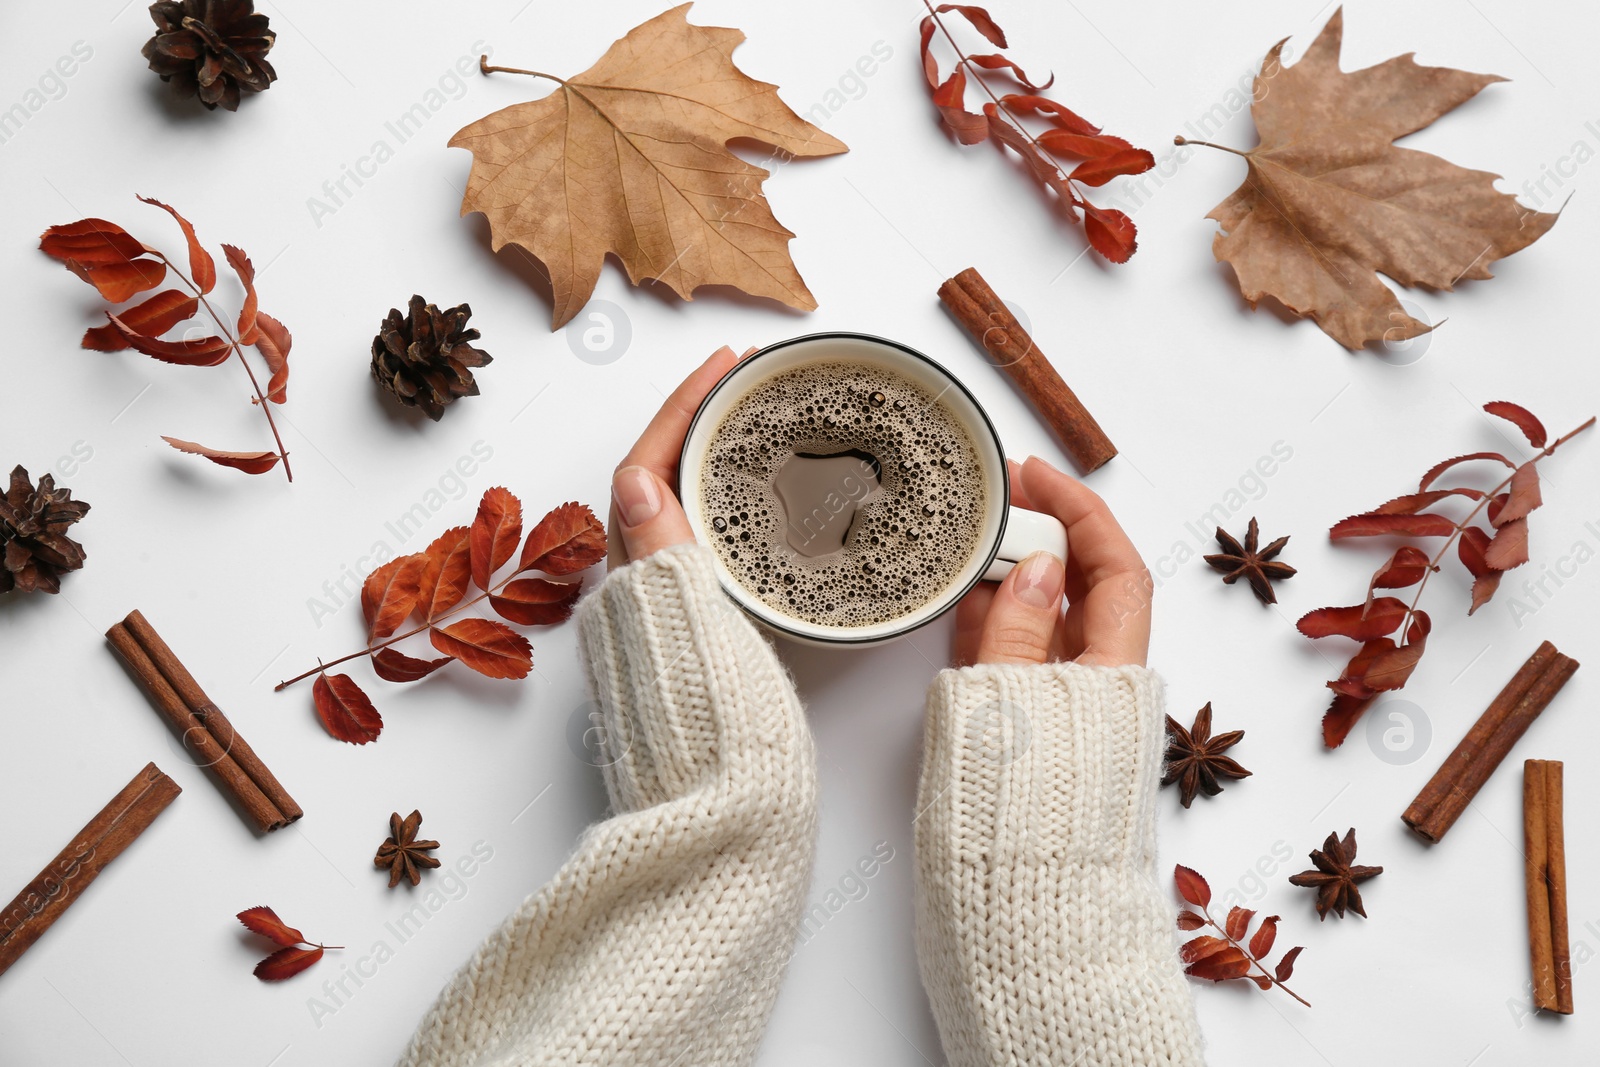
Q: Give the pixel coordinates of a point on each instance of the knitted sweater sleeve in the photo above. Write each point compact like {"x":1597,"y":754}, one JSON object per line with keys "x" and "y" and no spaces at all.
{"x":1043,"y":934}
{"x":663,"y":938}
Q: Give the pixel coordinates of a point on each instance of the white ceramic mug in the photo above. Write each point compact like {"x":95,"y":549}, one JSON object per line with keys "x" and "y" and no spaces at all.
{"x":1008,"y":534}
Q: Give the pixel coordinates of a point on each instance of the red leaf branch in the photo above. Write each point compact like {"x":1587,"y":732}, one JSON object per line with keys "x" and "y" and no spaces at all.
{"x":295,"y":953}
{"x":1223,"y":959}
{"x":1111,"y":233}
{"x":1393,"y":634}
{"x":120,"y":267}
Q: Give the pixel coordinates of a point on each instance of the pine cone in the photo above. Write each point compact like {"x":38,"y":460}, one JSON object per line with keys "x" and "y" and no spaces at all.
{"x":33,"y":524}
{"x":423,"y":359}
{"x":215,"y":49}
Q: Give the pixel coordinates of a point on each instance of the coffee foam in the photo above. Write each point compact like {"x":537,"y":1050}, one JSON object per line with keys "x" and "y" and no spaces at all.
{"x":908,"y":541}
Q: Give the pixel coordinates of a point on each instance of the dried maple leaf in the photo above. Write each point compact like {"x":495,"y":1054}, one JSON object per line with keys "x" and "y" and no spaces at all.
{"x":630,"y":157}
{"x":1336,"y":876}
{"x":1330,"y":201}
{"x":296,"y":953}
{"x":1224,"y":958}
{"x":1195,"y":759}
{"x":402,"y":852}
{"x":1250,"y":562}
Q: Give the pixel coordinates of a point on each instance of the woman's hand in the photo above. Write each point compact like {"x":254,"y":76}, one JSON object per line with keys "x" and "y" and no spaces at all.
{"x":1106,"y":586}
{"x":645,"y":515}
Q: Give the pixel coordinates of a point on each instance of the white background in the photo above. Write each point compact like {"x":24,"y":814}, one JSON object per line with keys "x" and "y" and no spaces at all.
{"x":149,"y":966}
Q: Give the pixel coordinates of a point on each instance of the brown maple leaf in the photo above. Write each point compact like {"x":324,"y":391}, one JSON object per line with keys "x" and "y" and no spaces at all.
{"x":630,"y":157}
{"x":1336,"y":876}
{"x":1195,"y":759}
{"x":1329,"y":200}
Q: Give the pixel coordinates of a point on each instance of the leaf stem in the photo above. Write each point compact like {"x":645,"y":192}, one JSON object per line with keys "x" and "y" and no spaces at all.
{"x":238,"y":350}
{"x":484,"y":67}
{"x":1251,"y":957}
{"x":1181,"y":140}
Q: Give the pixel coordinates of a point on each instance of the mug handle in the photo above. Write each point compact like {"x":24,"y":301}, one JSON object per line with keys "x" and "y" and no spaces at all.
{"x":1027,"y":532}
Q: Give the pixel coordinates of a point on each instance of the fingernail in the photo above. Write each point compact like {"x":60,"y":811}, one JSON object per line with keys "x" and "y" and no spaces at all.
{"x":1047,"y":463}
{"x":1039,"y":581}
{"x":637,"y":494}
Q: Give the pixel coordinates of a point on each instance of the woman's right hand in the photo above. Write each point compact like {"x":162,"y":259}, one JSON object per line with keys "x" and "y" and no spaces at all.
{"x":1105,"y":584}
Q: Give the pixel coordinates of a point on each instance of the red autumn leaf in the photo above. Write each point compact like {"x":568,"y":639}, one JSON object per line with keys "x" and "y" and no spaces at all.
{"x":1341,"y":716}
{"x":495,"y":533}
{"x":930,"y":66}
{"x":393,"y":666}
{"x":1392,"y":667}
{"x":200,"y":352}
{"x":1496,"y":505}
{"x":1412,"y":503}
{"x":1043,"y":171}
{"x":249,"y":462}
{"x":1285,"y":969}
{"x":247,"y":277}
{"x":121,"y":281}
{"x":1217,"y":964}
{"x":264,"y":921}
{"x":981,"y":21}
{"x":1522,"y":418}
{"x":1262,"y":982}
{"x":1509,"y":548}
{"x":345,"y":711}
{"x":1200,"y":947}
{"x":390,"y":593}
{"x":445,"y":574}
{"x":994,"y":61}
{"x":286,"y":963}
{"x":1402,"y":570}
{"x":1191,"y":886}
{"x":1266,"y":934}
{"x":1188,"y":920}
{"x":536,"y":602}
{"x":1471,"y":548}
{"x":152,"y":318}
{"x":1083,"y":146}
{"x":272,"y":341}
{"x":491,"y":648}
{"x":91,"y":243}
{"x":1238,"y":922}
{"x":1352,"y":681}
{"x":202,"y":268}
{"x":1523,"y":498}
{"x":1111,"y":232}
{"x":1061,"y":117}
{"x":1373,"y":524}
{"x":950,"y":98}
{"x":1439,"y":468}
{"x":567,"y":540}
{"x":1101,"y":170}
{"x":1359,"y":623}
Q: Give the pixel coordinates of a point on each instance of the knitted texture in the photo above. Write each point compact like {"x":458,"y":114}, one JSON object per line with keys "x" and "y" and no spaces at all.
{"x":1043,"y":936}
{"x":663,"y":938}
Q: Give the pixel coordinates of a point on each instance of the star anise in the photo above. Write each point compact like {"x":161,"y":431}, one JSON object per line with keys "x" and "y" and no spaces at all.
{"x":402,"y":853}
{"x":1195,"y":759}
{"x":1255,"y":566}
{"x":1335,"y":877}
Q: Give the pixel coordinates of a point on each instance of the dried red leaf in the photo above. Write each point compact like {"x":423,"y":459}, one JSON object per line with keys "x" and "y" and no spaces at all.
{"x":200,"y":352}
{"x":1188,"y":920}
{"x":1238,"y":922}
{"x":152,"y":318}
{"x":393,"y":666}
{"x":1062,"y":117}
{"x":264,"y":921}
{"x":1083,"y":146}
{"x":286,"y":963}
{"x":1374,"y":524}
{"x":272,"y":340}
{"x":491,"y":648}
{"x":1285,"y":969}
{"x":91,"y":243}
{"x":495,"y":533}
{"x":247,"y":277}
{"x":1472,"y":547}
{"x":1509,"y":548}
{"x":930,"y":66}
{"x":950,"y":98}
{"x":249,"y":462}
{"x":202,"y":268}
{"x":1360,"y":622}
{"x":445,"y":573}
{"x":121,"y":281}
{"x":1522,"y":418}
{"x":1101,"y":170}
{"x":1043,"y":171}
{"x":1111,"y":232}
{"x":346,"y":712}
{"x":536,"y":602}
{"x":390,"y":593}
{"x":1439,"y":468}
{"x":1412,"y":503}
{"x":1216,"y":964}
{"x":994,"y":61}
{"x":1341,"y":717}
{"x":1523,"y":497}
{"x":1402,"y":570}
{"x":1266,"y":934}
{"x":981,"y":21}
{"x":567,"y":540}
{"x":1191,"y":886}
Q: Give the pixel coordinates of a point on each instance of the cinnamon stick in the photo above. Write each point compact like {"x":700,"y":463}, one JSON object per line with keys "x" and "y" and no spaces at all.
{"x":101,"y":840}
{"x":1546,"y":874}
{"x":1474,"y":759}
{"x":209,"y":715}
{"x":998,"y":332}
{"x":205,"y":749}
